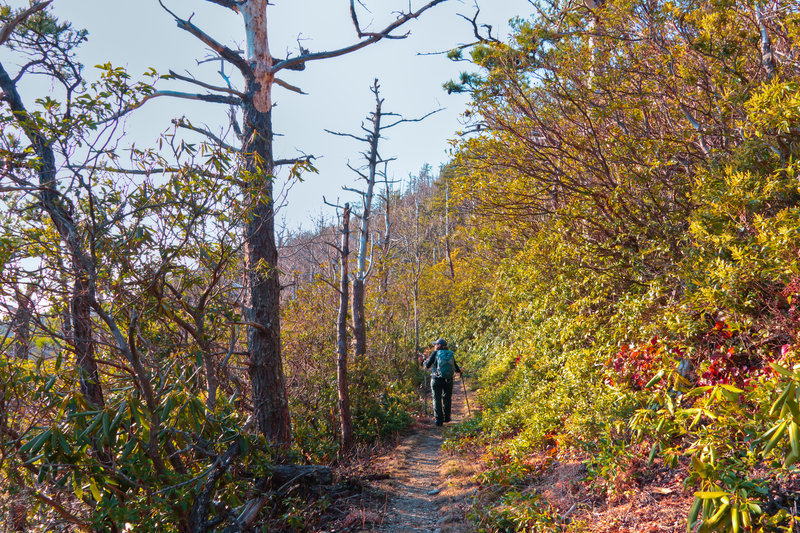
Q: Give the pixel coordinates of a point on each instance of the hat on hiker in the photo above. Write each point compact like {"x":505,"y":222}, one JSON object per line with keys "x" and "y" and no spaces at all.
{"x":441,"y":342}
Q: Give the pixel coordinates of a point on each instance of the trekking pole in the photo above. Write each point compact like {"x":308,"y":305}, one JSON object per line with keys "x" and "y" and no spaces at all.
{"x":425,"y":390}
{"x":465,"y":393}
{"x":425,"y":393}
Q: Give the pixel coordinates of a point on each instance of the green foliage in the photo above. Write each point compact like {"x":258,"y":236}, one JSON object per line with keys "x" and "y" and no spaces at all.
{"x":516,"y":511}
{"x":382,"y":389}
{"x":161,"y":257}
{"x":629,"y":268}
{"x":58,"y":445}
{"x":620,"y":276}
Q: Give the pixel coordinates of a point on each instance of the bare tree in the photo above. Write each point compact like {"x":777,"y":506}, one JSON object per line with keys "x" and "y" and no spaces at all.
{"x":341,"y":335}
{"x":369,"y":173}
{"x":258,"y":164}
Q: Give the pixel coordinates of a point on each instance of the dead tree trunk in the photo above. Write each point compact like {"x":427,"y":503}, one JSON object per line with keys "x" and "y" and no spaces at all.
{"x":257,"y":169}
{"x":369,"y":173}
{"x":447,"y":228}
{"x":359,"y":322}
{"x":416,"y":270}
{"x":256,"y":172}
{"x":341,"y":336}
{"x":263,"y":311}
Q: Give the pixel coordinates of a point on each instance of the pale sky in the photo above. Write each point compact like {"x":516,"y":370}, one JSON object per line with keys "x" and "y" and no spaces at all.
{"x":139,"y":34}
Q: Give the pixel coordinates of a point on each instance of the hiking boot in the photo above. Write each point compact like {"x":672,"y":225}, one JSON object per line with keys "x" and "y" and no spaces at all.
{"x":438,"y":423}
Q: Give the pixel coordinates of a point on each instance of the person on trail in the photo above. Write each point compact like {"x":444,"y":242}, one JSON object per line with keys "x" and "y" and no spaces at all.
{"x":444,"y":366}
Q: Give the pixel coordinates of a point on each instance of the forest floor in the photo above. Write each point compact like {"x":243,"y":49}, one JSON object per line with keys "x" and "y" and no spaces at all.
{"x":415,"y":486}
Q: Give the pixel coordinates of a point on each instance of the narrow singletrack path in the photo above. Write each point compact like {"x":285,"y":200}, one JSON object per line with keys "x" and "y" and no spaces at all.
{"x":414,"y":499}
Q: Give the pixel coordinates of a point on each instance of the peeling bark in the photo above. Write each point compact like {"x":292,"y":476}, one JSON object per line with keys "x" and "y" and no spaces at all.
{"x":255,"y":23}
{"x":263,"y":335}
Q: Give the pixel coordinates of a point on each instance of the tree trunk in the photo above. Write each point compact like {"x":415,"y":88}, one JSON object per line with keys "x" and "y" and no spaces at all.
{"x":22,"y":324}
{"x":263,"y":312}
{"x":416,"y":316}
{"x":84,"y":344}
{"x":257,"y":173}
{"x":341,"y":336}
{"x":54,"y":204}
{"x":447,"y":228}
{"x":417,"y":273}
{"x":212,"y":382}
{"x":767,"y":52}
{"x":359,"y":323}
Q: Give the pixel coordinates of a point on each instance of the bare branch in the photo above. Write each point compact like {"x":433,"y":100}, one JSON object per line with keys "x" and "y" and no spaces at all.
{"x":182,"y":123}
{"x":230,"y":4}
{"x":354,"y":169}
{"x":288,"y":86}
{"x":142,"y":171}
{"x":475,"y":28}
{"x":259,"y":327}
{"x":326,"y":202}
{"x":342,"y":134}
{"x":357,"y":191}
{"x":214,"y":98}
{"x":403,"y":120}
{"x":66,"y":515}
{"x":204,"y":85}
{"x":132,"y":171}
{"x":354,"y":17}
{"x":224,"y":52}
{"x":20,"y":188}
{"x":304,"y":159}
{"x":325,"y":280}
{"x":371,"y":38}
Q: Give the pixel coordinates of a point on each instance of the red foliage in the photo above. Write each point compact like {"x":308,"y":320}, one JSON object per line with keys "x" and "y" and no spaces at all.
{"x":724,"y":351}
{"x":729,"y":365}
{"x":636,"y":365}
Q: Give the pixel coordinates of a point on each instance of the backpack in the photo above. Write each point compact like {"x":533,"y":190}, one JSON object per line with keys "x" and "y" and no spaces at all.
{"x":445,"y":364}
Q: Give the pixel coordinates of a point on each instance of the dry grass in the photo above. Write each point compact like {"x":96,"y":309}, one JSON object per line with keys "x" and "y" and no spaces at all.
{"x":645,"y":499}
{"x":458,"y":471}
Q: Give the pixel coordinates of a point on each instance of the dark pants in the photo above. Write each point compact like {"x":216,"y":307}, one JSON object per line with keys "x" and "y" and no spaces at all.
{"x":442,"y":390}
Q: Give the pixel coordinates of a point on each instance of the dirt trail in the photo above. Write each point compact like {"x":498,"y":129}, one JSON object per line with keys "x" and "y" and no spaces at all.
{"x":425,"y":489}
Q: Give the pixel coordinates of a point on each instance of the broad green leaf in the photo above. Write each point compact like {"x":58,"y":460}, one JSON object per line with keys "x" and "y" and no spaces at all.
{"x":713,"y":494}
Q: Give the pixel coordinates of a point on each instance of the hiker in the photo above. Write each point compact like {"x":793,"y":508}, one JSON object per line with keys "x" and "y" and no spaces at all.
{"x":444,"y":365}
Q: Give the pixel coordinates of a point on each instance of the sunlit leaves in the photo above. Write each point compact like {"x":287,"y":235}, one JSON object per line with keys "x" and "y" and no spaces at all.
{"x":632,"y":173}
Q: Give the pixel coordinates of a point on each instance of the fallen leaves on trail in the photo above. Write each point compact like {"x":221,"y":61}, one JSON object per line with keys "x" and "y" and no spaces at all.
{"x":645,"y":500}
{"x":361,"y":518}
